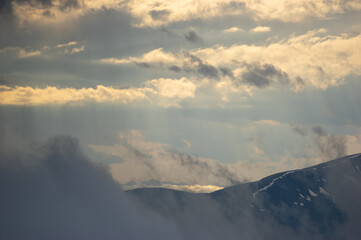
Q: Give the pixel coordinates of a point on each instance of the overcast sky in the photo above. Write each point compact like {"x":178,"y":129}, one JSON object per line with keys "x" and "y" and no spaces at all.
{"x":185,"y":94}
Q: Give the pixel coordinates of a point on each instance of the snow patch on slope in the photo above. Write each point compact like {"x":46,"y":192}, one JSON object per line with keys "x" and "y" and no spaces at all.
{"x":271,"y":184}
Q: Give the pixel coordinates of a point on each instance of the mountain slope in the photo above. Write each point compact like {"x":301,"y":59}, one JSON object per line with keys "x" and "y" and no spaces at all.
{"x":317,"y":202}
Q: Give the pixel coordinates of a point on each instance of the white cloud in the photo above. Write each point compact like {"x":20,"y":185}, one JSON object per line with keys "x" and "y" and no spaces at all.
{"x":232,"y":30}
{"x":261,"y":29}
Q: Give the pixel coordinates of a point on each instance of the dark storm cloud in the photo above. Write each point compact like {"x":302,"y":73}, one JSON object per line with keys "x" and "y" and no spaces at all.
{"x":6,"y":5}
{"x":193,"y":37}
{"x":56,"y":193}
{"x":263,"y":75}
{"x":330,"y":146}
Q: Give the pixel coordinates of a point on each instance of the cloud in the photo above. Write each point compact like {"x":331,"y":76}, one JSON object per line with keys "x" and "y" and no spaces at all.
{"x":322,"y":61}
{"x":147,"y":13}
{"x":319,"y":131}
{"x":259,"y":29}
{"x":144,"y":161}
{"x":232,"y":30}
{"x":268,"y":122}
{"x":164,"y":92}
{"x":170,"y":88}
{"x":55,"y":192}
{"x":159,"y":14}
{"x":300,"y":129}
{"x":184,"y":60}
{"x":186,"y":188}
{"x":46,"y":52}
{"x":329,"y":146}
{"x":284,"y":10}
{"x":326,"y":146}
{"x":7,"y":6}
{"x":193,"y":37}
{"x":263,"y":75}
{"x":72,"y":43}
{"x":52,"y":95}
{"x":17,"y":52}
{"x":77,"y":50}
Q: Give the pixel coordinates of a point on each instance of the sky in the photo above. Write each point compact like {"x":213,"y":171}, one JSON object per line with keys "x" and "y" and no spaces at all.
{"x":193,"y":95}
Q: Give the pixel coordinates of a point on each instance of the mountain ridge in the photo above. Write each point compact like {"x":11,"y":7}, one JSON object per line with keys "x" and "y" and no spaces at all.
{"x":309,"y":202}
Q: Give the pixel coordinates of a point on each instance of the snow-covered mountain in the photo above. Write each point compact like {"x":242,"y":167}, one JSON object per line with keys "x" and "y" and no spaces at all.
{"x":319,"y":202}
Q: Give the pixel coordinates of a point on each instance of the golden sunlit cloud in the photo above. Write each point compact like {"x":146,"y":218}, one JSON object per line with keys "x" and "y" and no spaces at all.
{"x":261,"y":29}
{"x":17,"y":52}
{"x":232,"y":30}
{"x":163,"y":92}
{"x":314,"y":59}
{"x":187,"y":188}
{"x":53,"y":95}
{"x":155,"y":13}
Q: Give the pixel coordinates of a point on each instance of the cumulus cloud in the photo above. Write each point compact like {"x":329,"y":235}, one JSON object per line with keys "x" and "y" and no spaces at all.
{"x":151,"y":13}
{"x":7,"y":6}
{"x":55,"y":192}
{"x":284,"y":10}
{"x":322,"y":61}
{"x":184,"y":60}
{"x":164,"y":92}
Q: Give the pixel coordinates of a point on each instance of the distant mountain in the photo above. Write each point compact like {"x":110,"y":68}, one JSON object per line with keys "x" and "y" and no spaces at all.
{"x":319,"y":202}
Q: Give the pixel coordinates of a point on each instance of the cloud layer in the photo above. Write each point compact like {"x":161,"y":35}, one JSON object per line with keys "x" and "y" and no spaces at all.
{"x":55,"y":192}
{"x":314,"y":60}
{"x":164,"y":92}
